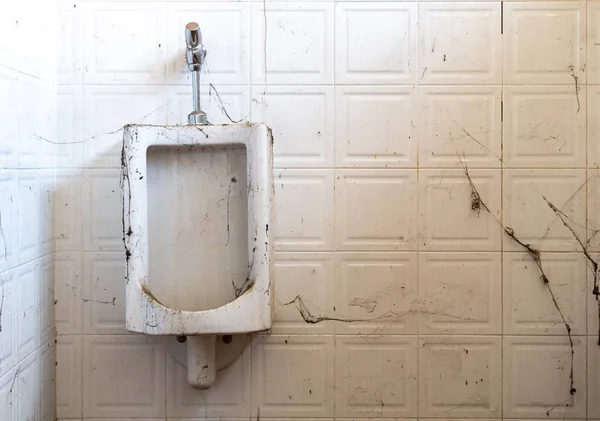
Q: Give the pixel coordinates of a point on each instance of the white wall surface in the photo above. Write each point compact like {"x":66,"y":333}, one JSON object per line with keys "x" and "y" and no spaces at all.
{"x":370,"y":104}
{"x":27,"y":126}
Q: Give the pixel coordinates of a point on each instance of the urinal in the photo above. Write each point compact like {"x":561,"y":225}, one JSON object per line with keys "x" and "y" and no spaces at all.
{"x":197,"y":212}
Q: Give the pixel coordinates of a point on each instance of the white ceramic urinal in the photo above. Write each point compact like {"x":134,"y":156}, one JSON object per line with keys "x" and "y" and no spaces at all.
{"x":197,"y":210}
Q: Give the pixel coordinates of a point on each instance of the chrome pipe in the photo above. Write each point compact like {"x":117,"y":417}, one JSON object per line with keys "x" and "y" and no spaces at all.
{"x":195,"y":55}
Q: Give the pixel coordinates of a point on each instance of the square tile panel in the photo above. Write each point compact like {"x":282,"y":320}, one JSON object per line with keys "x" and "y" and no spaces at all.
{"x":544,"y":42}
{"x":285,"y":57}
{"x":303,"y":279}
{"x":531,"y":362}
{"x":460,"y":43}
{"x":465,"y":224}
{"x":593,"y":126}
{"x":116,"y":49}
{"x":544,"y":127}
{"x":103,"y":295}
{"x":375,"y":42}
{"x":8,"y":218}
{"x":102,"y":210}
{"x":593,"y":366}
{"x":528,"y":305}
{"x":8,"y":333}
{"x":460,"y":293}
{"x":303,"y":210}
{"x":460,"y":374}
{"x":376,"y":377}
{"x":376,"y":210}
{"x":376,"y":127}
{"x":593,"y":42}
{"x":123,"y":376}
{"x":531,"y":219}
{"x":376,"y":293}
{"x":463,"y":121}
{"x":69,"y":376}
{"x":302,"y":121}
{"x":293,"y":376}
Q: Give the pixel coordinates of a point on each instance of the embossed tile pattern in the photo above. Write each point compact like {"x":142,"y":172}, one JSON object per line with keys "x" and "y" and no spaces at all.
{"x":398,"y":294}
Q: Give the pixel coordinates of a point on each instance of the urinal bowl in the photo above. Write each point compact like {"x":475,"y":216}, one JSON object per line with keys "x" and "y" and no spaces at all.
{"x":202,"y":282}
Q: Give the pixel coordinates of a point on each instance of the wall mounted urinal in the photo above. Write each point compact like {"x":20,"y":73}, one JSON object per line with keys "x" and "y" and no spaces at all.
{"x":197,"y":211}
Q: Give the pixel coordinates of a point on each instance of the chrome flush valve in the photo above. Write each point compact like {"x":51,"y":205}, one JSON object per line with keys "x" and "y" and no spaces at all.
{"x":195,"y":55}
{"x":196,"y":52}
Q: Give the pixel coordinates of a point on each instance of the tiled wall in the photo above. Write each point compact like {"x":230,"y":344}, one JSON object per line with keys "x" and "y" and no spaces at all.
{"x":372,"y":104}
{"x":27,"y":125}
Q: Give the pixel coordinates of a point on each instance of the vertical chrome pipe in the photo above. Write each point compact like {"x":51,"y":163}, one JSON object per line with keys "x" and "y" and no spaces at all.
{"x":196,"y":90}
{"x":195,"y":54}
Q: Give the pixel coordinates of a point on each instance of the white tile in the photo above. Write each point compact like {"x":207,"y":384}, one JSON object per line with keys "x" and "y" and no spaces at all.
{"x":68,"y":210}
{"x":544,"y":126}
{"x":593,"y":42}
{"x":119,"y":48}
{"x":293,"y":376}
{"x":28,"y":213}
{"x":69,"y":376}
{"x":376,"y":43}
{"x":376,"y":377}
{"x":47,"y":397}
{"x":593,"y":127}
{"x":299,"y":43}
{"x":228,"y":397}
{"x":68,"y":292}
{"x":376,"y":210}
{"x":224,"y":104}
{"x":536,"y":377}
{"x":307,"y":277}
{"x":69,"y":44}
{"x":9,"y":111}
{"x":8,"y":323}
{"x":593,"y":303}
{"x":528,"y":305}
{"x":107,"y":108}
{"x":460,"y":43}
{"x":544,"y":42}
{"x":527,"y":213}
{"x":46,"y":211}
{"x":304,"y":210}
{"x":27,"y":308}
{"x":8,"y":219}
{"x":461,"y":375}
{"x":592,"y":239}
{"x":103,"y":296}
{"x":225,"y":33}
{"x":103,"y":227}
{"x":37,"y":127}
{"x":593,"y":375}
{"x":46,"y":298}
{"x":464,"y":223}
{"x":375,"y":293}
{"x":460,"y":293}
{"x":7,"y":396}
{"x":123,"y":376}
{"x":27,"y":387}
{"x":302,"y":121}
{"x":460,"y":120}
{"x":376,"y":127}
{"x":69,"y":116}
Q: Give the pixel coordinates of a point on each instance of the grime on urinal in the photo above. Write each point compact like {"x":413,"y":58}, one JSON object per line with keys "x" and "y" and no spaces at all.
{"x":197,"y":206}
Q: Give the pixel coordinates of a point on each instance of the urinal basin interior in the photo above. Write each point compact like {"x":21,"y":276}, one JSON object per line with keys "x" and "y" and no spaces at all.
{"x":197,"y":207}
{"x":197,"y":224}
